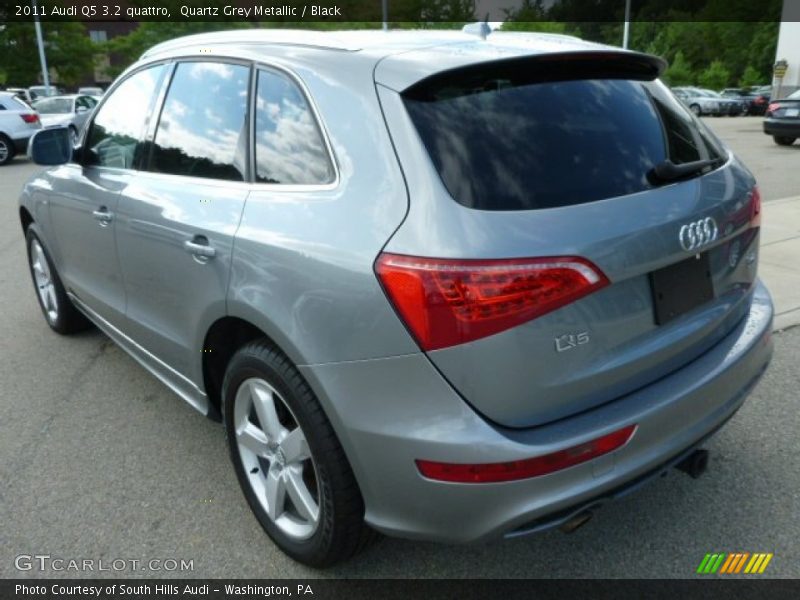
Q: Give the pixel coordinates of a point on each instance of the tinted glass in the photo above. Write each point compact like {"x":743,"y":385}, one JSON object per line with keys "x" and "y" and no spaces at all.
{"x":114,"y":137}
{"x":289,"y":147}
{"x":202,"y":131}
{"x":502,"y":146}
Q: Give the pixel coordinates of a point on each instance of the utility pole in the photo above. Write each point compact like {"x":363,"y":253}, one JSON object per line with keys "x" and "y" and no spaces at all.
{"x":385,"y":5}
{"x":627,"y":30}
{"x":40,"y":42}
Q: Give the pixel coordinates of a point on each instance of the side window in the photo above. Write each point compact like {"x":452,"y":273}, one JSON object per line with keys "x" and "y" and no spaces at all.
{"x":202,"y":131}
{"x":115,"y":134}
{"x":289,"y":147}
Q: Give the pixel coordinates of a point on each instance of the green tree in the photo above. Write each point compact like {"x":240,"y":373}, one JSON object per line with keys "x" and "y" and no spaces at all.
{"x":751,"y":76}
{"x":70,"y":52}
{"x":679,"y":72}
{"x":716,"y":76}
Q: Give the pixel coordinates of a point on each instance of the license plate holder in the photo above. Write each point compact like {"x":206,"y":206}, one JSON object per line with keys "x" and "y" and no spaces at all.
{"x":681,"y":287}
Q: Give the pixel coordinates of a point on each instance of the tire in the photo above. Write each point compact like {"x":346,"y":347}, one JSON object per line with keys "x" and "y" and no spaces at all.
{"x":58,"y":310}
{"x":783,"y":141}
{"x":696,"y":110}
{"x":73,"y":135}
{"x":7,"y":150}
{"x":295,"y":456}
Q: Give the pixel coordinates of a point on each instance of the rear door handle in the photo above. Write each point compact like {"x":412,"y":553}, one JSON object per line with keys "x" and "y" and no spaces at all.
{"x":199,"y":248}
{"x":103,"y":215}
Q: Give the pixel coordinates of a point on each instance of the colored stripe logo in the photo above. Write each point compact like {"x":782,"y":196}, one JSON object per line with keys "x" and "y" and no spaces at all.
{"x":735,"y":562}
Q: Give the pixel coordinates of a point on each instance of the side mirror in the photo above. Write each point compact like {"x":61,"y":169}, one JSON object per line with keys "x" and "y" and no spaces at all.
{"x":51,"y":146}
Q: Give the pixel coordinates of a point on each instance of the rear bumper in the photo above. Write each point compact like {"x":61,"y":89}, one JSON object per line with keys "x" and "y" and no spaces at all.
{"x":392,"y":411}
{"x":782,"y":127}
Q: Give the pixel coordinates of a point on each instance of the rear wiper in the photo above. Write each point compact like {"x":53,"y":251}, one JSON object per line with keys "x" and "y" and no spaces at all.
{"x":669,"y":171}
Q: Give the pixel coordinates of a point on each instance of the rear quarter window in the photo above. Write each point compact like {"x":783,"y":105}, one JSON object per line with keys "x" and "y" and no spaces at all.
{"x":503,"y":144}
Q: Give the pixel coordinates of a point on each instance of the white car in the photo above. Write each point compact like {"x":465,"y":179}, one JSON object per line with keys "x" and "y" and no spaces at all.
{"x":698,"y":103}
{"x":66,"y":111}
{"x":90,"y":91}
{"x":18,"y":122}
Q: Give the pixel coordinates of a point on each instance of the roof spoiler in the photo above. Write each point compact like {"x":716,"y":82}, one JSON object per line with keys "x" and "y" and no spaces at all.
{"x":550,"y":67}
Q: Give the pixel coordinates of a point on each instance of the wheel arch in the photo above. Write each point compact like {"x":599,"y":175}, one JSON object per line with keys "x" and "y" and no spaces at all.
{"x":25,"y":219}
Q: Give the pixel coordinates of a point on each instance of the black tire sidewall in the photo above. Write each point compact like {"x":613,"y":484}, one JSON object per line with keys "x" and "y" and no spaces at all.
{"x":245,"y":366}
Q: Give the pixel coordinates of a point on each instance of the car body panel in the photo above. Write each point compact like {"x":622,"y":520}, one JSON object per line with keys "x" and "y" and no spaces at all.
{"x":297,"y":263}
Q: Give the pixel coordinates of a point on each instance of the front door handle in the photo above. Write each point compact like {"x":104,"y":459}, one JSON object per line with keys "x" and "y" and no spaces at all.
{"x":103,"y":215}
{"x":198,"y":247}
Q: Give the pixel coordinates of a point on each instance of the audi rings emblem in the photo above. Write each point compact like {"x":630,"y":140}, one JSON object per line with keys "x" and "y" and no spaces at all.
{"x":694,"y":236}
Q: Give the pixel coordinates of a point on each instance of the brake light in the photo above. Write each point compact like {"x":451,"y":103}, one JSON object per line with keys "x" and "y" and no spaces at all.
{"x":773,"y":107}
{"x":755,"y":207}
{"x":445,"y":302}
{"x":526,"y":468}
{"x":30,"y":117}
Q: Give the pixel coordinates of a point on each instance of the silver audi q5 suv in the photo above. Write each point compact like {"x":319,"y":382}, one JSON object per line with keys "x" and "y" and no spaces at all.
{"x":436,"y":286}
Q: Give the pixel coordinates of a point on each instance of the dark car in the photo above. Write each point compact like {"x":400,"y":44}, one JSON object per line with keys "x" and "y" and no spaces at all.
{"x":783,"y":120}
{"x":733,"y":107}
{"x":756,"y":103}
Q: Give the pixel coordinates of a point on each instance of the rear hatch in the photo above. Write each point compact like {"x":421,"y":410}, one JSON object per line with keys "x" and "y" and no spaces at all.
{"x":574,"y":232}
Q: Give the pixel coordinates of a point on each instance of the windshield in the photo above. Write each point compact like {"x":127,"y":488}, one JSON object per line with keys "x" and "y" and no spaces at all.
{"x":498,"y":145}
{"x":50,"y":106}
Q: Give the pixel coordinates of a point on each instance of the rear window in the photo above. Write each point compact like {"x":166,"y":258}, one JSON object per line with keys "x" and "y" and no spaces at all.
{"x":504,"y":143}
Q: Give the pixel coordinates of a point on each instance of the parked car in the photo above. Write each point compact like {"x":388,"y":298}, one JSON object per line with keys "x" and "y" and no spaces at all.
{"x":700,"y":104}
{"x":90,"y":91}
{"x":733,"y":107}
{"x":745,"y":97}
{"x":434,"y":286}
{"x":18,"y":122}
{"x":759,"y":97}
{"x":783,"y":120}
{"x":23,"y":94}
{"x":66,"y":111}
{"x":43,"y":91}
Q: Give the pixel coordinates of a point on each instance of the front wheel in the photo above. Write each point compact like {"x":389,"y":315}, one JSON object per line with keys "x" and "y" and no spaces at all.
{"x":59,"y":312}
{"x":696,"y":110}
{"x":289,"y":463}
{"x":783,"y":141}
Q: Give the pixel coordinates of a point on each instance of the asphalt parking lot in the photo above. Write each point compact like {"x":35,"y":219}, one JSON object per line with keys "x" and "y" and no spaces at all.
{"x":99,"y":460}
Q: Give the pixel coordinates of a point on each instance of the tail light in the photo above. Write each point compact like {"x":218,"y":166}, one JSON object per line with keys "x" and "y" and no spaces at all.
{"x":30,"y":117}
{"x":773,"y":107}
{"x":446,"y":302}
{"x":755,"y":208}
{"x":526,"y":468}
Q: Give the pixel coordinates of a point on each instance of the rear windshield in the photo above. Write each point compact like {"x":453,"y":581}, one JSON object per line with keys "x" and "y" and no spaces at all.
{"x":504,"y":143}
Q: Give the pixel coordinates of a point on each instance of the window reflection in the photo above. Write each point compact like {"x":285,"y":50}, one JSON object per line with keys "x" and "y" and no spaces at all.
{"x":202,"y":130}
{"x":289,"y":147}
{"x":113,"y":140}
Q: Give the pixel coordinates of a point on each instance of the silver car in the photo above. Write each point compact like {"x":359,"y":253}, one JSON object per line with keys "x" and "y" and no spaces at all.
{"x":435,"y":286}
{"x":71,"y":111}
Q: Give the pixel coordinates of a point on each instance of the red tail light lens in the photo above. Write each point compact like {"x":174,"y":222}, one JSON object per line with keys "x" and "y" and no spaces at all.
{"x":755,"y":208}
{"x":30,"y":117}
{"x":773,"y":107}
{"x":527,"y":468}
{"x":446,"y":302}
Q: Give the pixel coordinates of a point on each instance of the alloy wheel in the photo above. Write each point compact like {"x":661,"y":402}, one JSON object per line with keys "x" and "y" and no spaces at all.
{"x":4,"y":150}
{"x":276,"y":458}
{"x":44,"y":282}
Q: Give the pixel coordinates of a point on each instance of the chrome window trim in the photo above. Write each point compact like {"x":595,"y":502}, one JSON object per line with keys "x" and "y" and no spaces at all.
{"x":298,"y":187}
